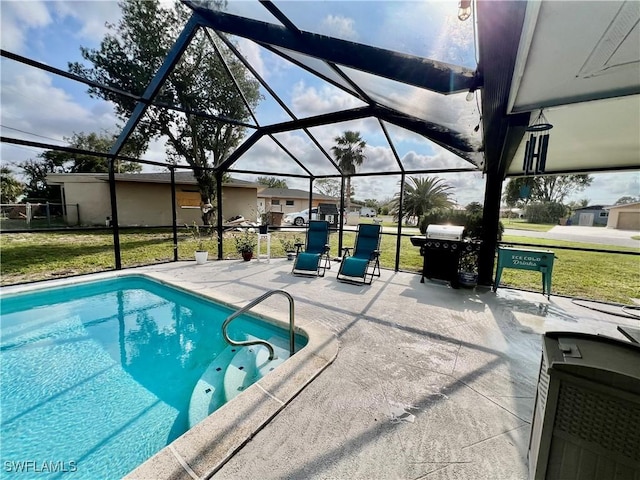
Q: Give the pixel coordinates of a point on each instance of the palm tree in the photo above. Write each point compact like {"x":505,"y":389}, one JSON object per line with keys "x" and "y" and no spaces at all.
{"x":422,"y":195}
{"x":349,"y":152}
{"x":10,"y":187}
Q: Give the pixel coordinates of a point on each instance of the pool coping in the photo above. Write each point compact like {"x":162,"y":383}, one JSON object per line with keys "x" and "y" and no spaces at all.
{"x":202,"y":450}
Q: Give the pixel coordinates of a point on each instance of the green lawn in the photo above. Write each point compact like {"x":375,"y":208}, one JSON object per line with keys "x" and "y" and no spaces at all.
{"x":35,"y":256}
{"x":518,"y":224}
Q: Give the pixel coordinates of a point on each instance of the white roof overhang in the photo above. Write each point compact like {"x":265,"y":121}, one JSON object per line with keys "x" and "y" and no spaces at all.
{"x":580,"y":62}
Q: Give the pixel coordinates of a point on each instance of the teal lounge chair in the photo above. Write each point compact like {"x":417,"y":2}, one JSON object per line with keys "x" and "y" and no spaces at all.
{"x":315,"y":259}
{"x":365,"y":259}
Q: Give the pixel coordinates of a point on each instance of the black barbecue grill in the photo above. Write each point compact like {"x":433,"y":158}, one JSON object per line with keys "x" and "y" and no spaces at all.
{"x":441,"y":248}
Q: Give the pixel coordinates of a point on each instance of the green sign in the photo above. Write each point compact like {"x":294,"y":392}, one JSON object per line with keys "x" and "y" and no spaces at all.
{"x":524,"y":259}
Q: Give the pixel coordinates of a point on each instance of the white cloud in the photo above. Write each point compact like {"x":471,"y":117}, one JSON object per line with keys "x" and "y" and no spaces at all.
{"x":310,"y":100}
{"x":442,"y":159}
{"x":30,"y":100}
{"x":609,"y":187}
{"x":17,"y":18}
{"x":33,"y":108}
{"x":339,"y":26}
{"x":92,"y":16}
{"x":251,"y":52}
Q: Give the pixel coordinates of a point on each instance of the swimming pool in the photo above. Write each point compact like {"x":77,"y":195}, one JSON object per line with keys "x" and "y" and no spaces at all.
{"x":97,"y":377}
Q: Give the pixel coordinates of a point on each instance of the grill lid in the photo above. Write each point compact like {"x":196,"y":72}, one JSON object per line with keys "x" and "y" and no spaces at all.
{"x":445,"y":232}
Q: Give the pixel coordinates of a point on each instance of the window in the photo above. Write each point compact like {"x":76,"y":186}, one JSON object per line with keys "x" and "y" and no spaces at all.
{"x":187,"y":198}
{"x":604,"y":214}
{"x":275,"y":202}
{"x":290,"y":203}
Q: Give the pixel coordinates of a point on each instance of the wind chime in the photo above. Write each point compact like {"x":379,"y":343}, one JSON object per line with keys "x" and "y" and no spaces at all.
{"x":537,"y":146}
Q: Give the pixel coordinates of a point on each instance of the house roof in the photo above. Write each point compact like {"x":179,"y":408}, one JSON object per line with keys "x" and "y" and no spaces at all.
{"x":181,"y":178}
{"x":623,"y":205}
{"x":293,"y":193}
{"x":592,"y":207}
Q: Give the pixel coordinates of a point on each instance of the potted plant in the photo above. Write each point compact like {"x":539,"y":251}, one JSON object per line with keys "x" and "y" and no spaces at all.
{"x":199,"y":235}
{"x":289,"y":246}
{"x":245,"y":245}
{"x":468,"y":269}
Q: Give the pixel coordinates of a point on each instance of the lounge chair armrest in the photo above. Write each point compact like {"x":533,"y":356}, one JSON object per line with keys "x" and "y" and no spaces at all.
{"x":298,"y":247}
{"x":346,"y":251}
{"x":375,"y":254}
{"x":327,"y":247}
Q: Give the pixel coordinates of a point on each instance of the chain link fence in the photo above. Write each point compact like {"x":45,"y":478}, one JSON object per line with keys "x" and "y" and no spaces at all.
{"x":24,"y":216}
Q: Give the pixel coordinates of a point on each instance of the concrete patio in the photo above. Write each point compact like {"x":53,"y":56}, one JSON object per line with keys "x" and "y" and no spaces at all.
{"x":428,"y":382}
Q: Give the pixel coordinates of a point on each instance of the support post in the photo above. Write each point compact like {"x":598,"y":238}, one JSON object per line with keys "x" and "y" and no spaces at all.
{"x":310,"y":196}
{"x":218,"y":175}
{"x":400,"y":215}
{"x":174,"y":213}
{"x":490,"y":222}
{"x":342,"y":216}
{"x":114,"y":214}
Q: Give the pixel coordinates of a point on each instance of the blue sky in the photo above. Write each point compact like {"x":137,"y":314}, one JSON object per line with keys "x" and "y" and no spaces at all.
{"x":42,"y":107}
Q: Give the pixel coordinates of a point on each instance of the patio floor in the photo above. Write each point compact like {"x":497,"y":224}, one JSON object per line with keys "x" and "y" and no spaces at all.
{"x":429,"y":382}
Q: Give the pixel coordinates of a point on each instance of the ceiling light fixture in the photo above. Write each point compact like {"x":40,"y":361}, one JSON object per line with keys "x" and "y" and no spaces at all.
{"x":464,"y":10}
{"x":538,"y":137}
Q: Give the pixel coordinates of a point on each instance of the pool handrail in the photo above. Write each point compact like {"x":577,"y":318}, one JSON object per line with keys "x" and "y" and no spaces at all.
{"x":249,"y":306}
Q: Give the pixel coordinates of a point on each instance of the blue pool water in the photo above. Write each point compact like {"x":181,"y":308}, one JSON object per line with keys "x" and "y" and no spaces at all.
{"x":97,"y":377}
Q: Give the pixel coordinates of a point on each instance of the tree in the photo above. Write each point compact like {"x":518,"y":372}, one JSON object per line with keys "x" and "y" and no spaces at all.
{"x":80,"y":163}
{"x":35,"y":171}
{"x":372,"y":203}
{"x":575,"y":204}
{"x":553,"y":188}
{"x":10,"y":187}
{"x":627,"y":199}
{"x":349,"y":152}
{"x":272,"y":182}
{"x":422,"y":195}
{"x":327,"y":186}
{"x":55,"y":161}
{"x":474,"y":208}
{"x":128,"y":58}
{"x":545,"y":212}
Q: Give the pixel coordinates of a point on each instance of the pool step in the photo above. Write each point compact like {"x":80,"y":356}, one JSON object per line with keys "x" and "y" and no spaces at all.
{"x":208,"y":394}
{"x":249,"y":365}
{"x":230,"y":373}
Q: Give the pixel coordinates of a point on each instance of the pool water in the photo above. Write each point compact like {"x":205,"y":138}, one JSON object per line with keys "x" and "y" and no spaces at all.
{"x":97,"y":377}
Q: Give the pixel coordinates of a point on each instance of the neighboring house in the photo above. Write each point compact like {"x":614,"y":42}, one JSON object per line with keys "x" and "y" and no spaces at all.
{"x":590,"y":216}
{"x":288,"y":200}
{"x":145,"y":198}
{"x":624,"y":217}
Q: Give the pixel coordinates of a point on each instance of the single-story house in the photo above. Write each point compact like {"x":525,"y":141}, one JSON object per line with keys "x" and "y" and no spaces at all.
{"x":145,"y":198}
{"x":288,"y":200}
{"x":624,"y":217}
{"x":590,"y":216}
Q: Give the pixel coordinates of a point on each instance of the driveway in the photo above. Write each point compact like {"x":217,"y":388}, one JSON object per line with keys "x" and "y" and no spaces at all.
{"x":576,"y":233}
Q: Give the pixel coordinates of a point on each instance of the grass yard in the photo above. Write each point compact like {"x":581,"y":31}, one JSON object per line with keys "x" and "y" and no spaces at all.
{"x":600,"y":276}
{"x":28,"y":257}
{"x":519,"y":224}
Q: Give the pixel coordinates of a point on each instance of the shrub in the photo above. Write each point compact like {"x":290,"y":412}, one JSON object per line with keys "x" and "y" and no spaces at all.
{"x":245,"y":242}
{"x":472,"y":221}
{"x":545,"y":212}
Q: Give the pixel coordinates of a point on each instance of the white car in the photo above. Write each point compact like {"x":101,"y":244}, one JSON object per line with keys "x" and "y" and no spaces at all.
{"x":367,"y":212}
{"x":299,"y":218}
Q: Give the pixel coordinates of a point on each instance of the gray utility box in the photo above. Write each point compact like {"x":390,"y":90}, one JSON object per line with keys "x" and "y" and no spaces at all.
{"x":586,"y":419}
